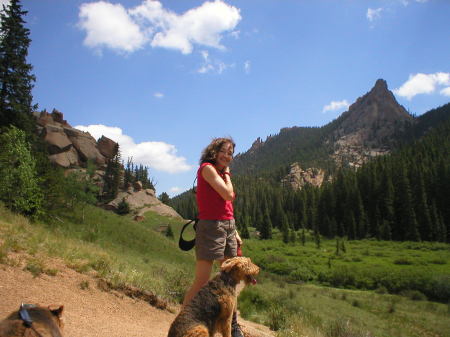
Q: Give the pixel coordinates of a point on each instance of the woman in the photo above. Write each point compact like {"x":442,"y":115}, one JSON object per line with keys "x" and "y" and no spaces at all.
{"x":216,"y":237}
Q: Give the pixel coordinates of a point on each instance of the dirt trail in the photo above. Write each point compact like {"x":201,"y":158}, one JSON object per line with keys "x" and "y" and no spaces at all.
{"x":90,"y":312}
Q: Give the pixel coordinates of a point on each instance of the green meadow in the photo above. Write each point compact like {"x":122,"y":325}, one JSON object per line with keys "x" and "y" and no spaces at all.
{"x":367,"y":288}
{"x":350,"y":288}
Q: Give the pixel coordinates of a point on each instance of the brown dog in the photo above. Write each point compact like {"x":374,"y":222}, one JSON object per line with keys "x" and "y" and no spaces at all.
{"x":212,"y":308}
{"x":33,"y":321}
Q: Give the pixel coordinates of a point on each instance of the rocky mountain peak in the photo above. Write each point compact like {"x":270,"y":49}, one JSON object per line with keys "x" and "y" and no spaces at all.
{"x":378,"y":105}
{"x":369,"y":126}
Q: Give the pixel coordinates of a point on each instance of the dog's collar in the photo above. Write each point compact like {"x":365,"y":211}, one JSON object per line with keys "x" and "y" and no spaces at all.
{"x":26,"y":318}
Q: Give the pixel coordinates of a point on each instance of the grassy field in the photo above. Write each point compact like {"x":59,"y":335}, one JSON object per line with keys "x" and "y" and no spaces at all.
{"x":117,"y":248}
{"x":138,"y":253}
{"x":379,"y":288}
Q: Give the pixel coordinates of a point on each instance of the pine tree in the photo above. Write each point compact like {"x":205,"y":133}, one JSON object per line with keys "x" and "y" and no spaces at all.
{"x":285,"y":228}
{"x":244,"y":228}
{"x":164,"y":198}
{"x":112,"y":177}
{"x":16,"y":80}
{"x":422,"y":210}
{"x":303,"y":237}
{"x":292,"y":236}
{"x":386,"y":206}
{"x":266,"y":224}
{"x":405,"y":211}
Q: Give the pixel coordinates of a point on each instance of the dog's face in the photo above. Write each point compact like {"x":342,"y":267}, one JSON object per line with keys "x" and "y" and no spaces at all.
{"x":241,"y":269}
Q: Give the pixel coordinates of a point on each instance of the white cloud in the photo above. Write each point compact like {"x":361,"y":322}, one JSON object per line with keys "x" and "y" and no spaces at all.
{"x":422,"y":84}
{"x":109,"y":25}
{"x":247,"y":66}
{"x":235,"y":34}
{"x":203,"y":25}
{"x":112,"y":26}
{"x":373,"y":14}
{"x":445,"y":91}
{"x":158,"y":95}
{"x":336,"y":105}
{"x":157,"y":155}
{"x":212,"y":65}
{"x":174,"y":190}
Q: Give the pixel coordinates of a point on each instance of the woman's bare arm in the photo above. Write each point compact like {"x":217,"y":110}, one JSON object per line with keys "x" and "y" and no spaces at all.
{"x":221,"y":186}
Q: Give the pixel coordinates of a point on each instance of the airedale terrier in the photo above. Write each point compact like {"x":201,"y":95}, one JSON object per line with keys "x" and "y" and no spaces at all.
{"x":211,"y":309}
{"x":33,"y":321}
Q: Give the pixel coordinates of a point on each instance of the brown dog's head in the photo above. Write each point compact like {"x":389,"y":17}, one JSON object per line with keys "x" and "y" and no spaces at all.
{"x":241,"y":269}
{"x":47,"y":320}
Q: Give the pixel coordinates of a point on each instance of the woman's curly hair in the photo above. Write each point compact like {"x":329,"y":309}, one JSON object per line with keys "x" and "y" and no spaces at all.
{"x":210,"y":152}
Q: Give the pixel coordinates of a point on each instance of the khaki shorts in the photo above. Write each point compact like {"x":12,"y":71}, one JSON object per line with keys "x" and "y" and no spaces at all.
{"x":215,"y":239}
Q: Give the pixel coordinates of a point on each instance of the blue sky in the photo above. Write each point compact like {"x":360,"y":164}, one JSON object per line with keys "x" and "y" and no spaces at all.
{"x":164,"y":77}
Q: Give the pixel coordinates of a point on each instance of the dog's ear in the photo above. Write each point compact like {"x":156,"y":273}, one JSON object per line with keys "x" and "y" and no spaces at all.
{"x":56,"y":310}
{"x":229,"y":264}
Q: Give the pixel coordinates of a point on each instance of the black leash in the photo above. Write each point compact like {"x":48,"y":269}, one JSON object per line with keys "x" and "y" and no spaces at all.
{"x":182,"y":243}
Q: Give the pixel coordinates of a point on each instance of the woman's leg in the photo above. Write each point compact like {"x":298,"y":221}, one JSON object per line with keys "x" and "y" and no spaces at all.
{"x":203,"y":270}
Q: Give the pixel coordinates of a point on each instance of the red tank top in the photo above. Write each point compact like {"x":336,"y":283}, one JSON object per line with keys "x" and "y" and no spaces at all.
{"x":211,"y":206}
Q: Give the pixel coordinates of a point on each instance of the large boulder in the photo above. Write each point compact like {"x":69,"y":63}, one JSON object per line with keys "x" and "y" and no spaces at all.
{"x":65,"y":159}
{"x":137,"y":186}
{"x":57,"y":141}
{"x":107,"y":147}
{"x":85,"y":145}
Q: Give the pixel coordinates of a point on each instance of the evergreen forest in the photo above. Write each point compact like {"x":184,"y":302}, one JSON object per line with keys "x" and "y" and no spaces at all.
{"x":400,"y":196}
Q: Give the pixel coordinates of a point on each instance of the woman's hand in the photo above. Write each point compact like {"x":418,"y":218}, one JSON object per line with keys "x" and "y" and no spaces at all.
{"x":222,"y":186}
{"x":238,"y":239}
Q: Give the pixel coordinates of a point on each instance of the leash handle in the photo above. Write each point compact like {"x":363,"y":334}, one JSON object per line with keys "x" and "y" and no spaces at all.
{"x":182,"y":243}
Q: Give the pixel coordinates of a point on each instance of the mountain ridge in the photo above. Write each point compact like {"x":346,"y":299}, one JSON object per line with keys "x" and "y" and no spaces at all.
{"x":374,"y":125}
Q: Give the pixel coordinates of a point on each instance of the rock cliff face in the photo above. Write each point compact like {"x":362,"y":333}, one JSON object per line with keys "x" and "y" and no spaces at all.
{"x":69,"y":147}
{"x":369,"y":127}
{"x":298,"y":178}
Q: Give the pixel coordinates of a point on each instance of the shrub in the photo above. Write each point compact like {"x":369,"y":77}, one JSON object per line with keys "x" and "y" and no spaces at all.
{"x":84,"y":285}
{"x":403,"y":261}
{"x":18,"y":176}
{"x":381,"y":290}
{"x":123,"y":207}
{"x":356,"y":303}
{"x":303,"y":274}
{"x":169,"y":232}
{"x":35,"y":267}
{"x":414,"y":295}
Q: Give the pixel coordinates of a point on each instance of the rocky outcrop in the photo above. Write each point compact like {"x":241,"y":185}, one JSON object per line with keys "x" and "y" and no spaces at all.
{"x":298,"y":178}
{"x":369,"y":126}
{"x":258,"y":143}
{"x":141,"y":201}
{"x":107,"y":147}
{"x":69,"y":147}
